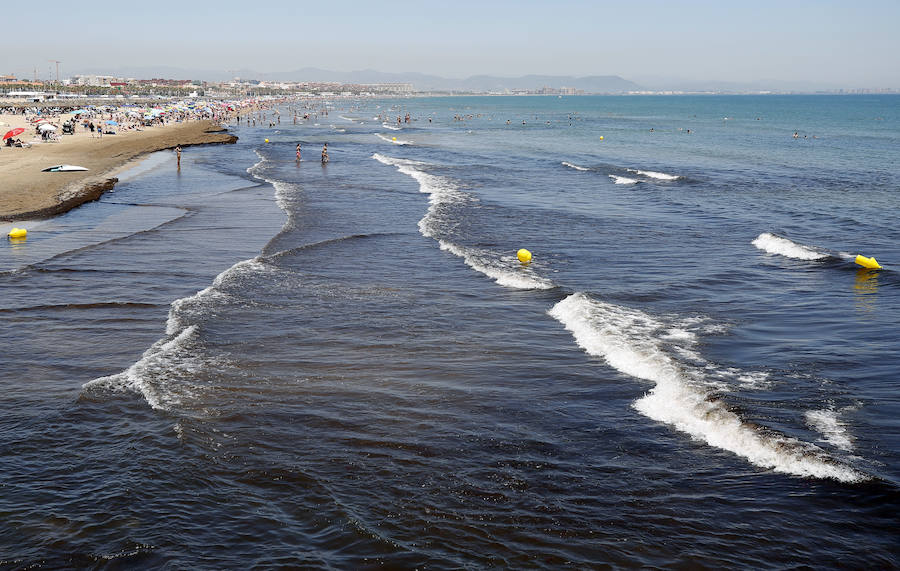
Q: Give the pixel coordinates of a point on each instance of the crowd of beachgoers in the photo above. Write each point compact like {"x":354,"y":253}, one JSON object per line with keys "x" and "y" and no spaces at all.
{"x":23,"y":125}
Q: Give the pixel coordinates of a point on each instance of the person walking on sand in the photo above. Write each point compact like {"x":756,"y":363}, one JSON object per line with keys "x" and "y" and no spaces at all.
{"x":325,"y":154}
{"x":178,"y":155}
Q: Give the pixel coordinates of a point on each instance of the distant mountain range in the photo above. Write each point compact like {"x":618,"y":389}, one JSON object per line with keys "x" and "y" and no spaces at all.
{"x":419,"y":81}
{"x":475,"y":83}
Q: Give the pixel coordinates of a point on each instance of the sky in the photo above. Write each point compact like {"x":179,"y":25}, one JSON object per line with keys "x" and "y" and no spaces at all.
{"x":849,"y":43}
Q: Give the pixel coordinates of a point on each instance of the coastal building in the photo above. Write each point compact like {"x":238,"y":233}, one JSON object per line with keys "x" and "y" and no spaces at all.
{"x":93,"y":80}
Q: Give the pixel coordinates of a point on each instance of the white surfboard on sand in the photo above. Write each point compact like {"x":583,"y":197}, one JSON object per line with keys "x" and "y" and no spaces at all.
{"x":64,"y":168}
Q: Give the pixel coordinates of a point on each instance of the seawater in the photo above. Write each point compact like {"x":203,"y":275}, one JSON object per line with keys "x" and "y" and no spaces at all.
{"x":255,"y":361}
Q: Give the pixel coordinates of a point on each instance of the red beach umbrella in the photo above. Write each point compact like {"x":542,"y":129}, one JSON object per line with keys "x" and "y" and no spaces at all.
{"x":13,"y":133}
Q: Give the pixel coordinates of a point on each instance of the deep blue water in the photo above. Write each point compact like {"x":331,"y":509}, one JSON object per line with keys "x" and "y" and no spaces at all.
{"x":259,"y":362}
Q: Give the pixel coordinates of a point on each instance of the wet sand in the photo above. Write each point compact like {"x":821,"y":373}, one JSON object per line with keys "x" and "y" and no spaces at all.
{"x":27,"y":193}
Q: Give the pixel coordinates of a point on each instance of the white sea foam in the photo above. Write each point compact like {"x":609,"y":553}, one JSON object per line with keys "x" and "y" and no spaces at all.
{"x":442,"y":192}
{"x":154,"y":374}
{"x":391,"y":127}
{"x":777,"y":245}
{"x":623,"y":179}
{"x":393,"y":140}
{"x":163,"y":373}
{"x":346,"y":118}
{"x":656,"y":175}
{"x":827,"y":423}
{"x":505,"y":270}
{"x":631,"y":342}
{"x":574,"y":166}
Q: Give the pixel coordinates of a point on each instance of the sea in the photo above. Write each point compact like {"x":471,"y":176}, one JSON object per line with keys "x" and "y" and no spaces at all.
{"x":255,"y":362}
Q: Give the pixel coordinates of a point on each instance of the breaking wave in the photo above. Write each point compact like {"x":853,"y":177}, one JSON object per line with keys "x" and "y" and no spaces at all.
{"x":443,"y":193}
{"x":685,"y":386}
{"x":774,"y":244}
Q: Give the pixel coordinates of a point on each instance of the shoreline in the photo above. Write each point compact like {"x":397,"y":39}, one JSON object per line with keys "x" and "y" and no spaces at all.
{"x":29,"y":194}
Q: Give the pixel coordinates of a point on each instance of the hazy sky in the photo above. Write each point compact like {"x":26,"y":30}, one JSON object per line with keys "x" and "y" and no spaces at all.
{"x":852,"y":43}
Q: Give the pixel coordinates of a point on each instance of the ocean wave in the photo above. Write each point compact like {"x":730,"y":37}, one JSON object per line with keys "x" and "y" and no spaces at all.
{"x":574,"y":166}
{"x":391,"y":127}
{"x":623,"y":179}
{"x":505,"y":270}
{"x":633,"y":343}
{"x":774,"y":244}
{"x":393,"y":140}
{"x":285,"y":192}
{"x":656,"y":175}
{"x":155,"y":373}
{"x":442,"y":192}
{"x":166,"y":372}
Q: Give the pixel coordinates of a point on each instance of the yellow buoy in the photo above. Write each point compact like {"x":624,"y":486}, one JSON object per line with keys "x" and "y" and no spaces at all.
{"x":601,"y":137}
{"x":393,"y":138}
{"x":867,"y":262}
{"x":524,"y":256}
{"x":267,"y":140}
{"x":18,"y":233}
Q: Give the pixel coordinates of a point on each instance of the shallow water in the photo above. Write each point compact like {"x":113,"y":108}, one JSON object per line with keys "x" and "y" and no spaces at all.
{"x":254,"y":361}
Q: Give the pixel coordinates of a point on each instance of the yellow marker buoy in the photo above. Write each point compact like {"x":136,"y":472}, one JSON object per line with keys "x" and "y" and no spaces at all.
{"x":393,"y":138}
{"x":867,"y":262}
{"x":524,"y":256}
{"x":18,"y":233}
{"x":601,"y":137}
{"x":267,"y":140}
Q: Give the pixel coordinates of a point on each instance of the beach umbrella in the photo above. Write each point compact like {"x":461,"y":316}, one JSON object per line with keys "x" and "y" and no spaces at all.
{"x":13,"y":133}
{"x":46,"y":127}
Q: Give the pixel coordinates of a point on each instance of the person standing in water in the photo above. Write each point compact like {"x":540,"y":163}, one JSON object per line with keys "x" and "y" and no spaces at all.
{"x":298,"y":151}
{"x":178,"y":155}
{"x":325,"y":154}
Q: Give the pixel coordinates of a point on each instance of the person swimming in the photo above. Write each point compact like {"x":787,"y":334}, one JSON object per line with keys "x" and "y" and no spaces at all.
{"x":325,"y":153}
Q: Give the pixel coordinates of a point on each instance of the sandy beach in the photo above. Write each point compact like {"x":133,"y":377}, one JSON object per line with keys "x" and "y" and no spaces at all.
{"x":28,"y":193}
